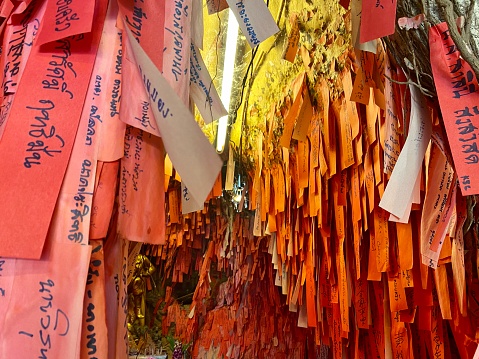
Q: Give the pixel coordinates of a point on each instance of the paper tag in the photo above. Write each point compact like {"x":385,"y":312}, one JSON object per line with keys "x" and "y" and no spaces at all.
{"x":103,"y":199}
{"x":45,"y":310}
{"x":190,"y":151}
{"x":188,"y":203}
{"x":398,"y":193}
{"x":305,"y":117}
{"x":141,"y":215}
{"x":177,"y":39}
{"x":378,"y":19}
{"x":94,"y":338}
{"x":202,"y":90}
{"x":293,"y":40}
{"x":113,"y":130}
{"x":64,"y":19}
{"x":197,"y":26}
{"x":76,"y":194}
{"x":458,"y":93}
{"x":356,"y":8}
{"x":436,"y":204}
{"x":36,"y":148}
{"x":254,"y":19}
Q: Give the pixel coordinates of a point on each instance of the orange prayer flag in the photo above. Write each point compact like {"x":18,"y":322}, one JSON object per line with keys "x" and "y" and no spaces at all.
{"x":293,"y":39}
{"x":293,"y":112}
{"x":372,"y":112}
{"x":442,"y":288}
{"x":343,"y":188}
{"x":373,"y":273}
{"x":336,"y":329}
{"x":376,"y":338}
{"x":399,"y":337}
{"x":314,"y":137}
{"x":351,"y":109}
{"x":79,"y":184}
{"x":303,"y":164}
{"x":361,"y":300}
{"x":346,"y":152}
{"x":305,"y":117}
{"x":404,"y":236}
{"x":382,"y":239}
{"x":397,"y":294}
{"x":355,"y":195}
{"x":369,"y":180}
{"x":104,"y":200}
{"x":310,"y":291}
{"x":279,"y":188}
{"x":457,"y":255}
{"x":173,"y":206}
{"x":343,"y":289}
{"x":360,"y":92}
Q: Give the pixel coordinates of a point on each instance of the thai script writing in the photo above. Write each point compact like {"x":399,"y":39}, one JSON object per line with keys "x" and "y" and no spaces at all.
{"x":249,"y":28}
{"x":145,"y":119}
{"x":82,"y":209}
{"x":52,"y":321}
{"x":57,"y":68}
{"x":93,"y":273}
{"x":64,"y":15}
{"x":44,"y":132}
{"x":154,"y":95}
{"x":115,"y":98}
{"x":137,"y":21}
{"x":195,"y":69}
{"x":179,"y":15}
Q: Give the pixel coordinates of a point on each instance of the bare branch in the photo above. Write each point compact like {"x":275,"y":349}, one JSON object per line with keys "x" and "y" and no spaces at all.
{"x":448,"y":13}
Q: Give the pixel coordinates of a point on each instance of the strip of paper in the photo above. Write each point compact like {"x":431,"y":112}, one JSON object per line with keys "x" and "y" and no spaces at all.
{"x":146,"y":21}
{"x":254,"y":19}
{"x":202,"y":90}
{"x":191,"y":153}
{"x":370,"y":46}
{"x":135,"y":107}
{"x":111,"y":138}
{"x":106,"y":183}
{"x":176,"y":52}
{"x":113,"y":277}
{"x":71,"y":219}
{"x":141,"y":216}
{"x":440,"y":181}
{"x":94,"y":338}
{"x":188,"y":203}
{"x":36,"y":148}
{"x":66,"y":18}
{"x":293,"y":40}
{"x":458,"y":93}
{"x":197,"y":26}
{"x":398,"y":193}
{"x":378,"y":19}
{"x":45,"y":311}
{"x":18,"y":39}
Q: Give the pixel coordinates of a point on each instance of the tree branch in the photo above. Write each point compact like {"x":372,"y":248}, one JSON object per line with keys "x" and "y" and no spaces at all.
{"x":448,"y":13}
